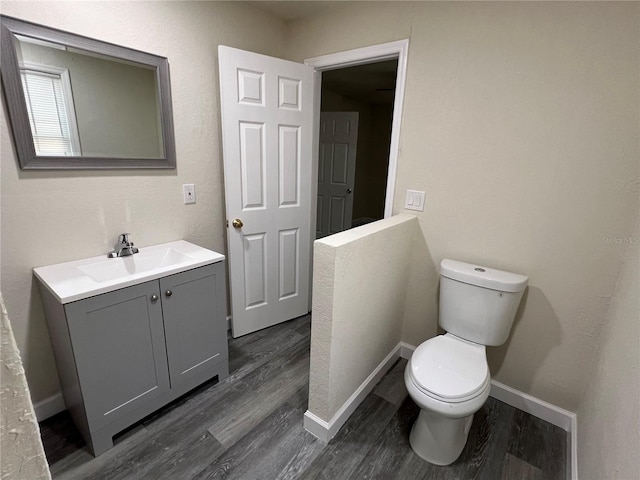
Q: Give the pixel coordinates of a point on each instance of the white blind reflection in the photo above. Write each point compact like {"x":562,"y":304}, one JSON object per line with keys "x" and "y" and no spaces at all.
{"x":47,"y":113}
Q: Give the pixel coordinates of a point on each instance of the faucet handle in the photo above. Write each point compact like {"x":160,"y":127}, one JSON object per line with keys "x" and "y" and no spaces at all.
{"x":124,"y":238}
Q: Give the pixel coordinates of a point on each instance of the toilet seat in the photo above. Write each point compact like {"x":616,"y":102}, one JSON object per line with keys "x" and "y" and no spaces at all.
{"x":450,"y":369}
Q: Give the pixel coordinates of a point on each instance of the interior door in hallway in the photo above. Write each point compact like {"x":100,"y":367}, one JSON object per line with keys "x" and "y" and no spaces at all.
{"x":336,"y":171}
{"x":267,"y":121}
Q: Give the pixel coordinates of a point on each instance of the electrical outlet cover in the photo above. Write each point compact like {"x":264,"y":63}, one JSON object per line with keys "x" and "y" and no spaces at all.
{"x":189,"y":192}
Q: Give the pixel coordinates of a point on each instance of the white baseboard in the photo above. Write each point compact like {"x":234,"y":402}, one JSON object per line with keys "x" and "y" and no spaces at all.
{"x":545,"y":411}
{"x":406,"y":350}
{"x":317,"y":427}
{"x":324,"y":430}
{"x":49,"y":407}
{"x":534,"y":406}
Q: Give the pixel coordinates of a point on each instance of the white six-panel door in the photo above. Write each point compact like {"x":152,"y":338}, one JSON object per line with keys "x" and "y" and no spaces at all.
{"x":267,"y":120}
{"x":336,"y":171}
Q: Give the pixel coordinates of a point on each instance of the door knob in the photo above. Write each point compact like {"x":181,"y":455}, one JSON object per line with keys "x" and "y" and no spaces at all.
{"x":154,"y":298}
{"x":237,"y":223}
{"x":349,"y":191}
{"x":168,"y":293}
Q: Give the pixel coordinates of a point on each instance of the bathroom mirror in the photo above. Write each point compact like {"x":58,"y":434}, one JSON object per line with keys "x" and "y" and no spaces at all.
{"x":80,"y":103}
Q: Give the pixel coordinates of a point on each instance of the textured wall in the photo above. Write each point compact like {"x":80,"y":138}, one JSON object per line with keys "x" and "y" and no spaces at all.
{"x":52,"y":217}
{"x":359,"y":287}
{"x":521,"y":124}
{"x":22,"y":452}
{"x":609,"y":413}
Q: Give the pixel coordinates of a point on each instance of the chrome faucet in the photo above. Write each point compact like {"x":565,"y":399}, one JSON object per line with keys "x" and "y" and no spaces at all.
{"x":124,"y":247}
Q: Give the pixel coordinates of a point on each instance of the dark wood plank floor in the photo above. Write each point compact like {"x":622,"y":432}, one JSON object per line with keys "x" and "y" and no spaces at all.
{"x":249,"y":426}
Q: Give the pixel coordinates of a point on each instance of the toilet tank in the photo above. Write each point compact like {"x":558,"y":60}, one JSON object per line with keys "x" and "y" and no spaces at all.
{"x":478,"y":303}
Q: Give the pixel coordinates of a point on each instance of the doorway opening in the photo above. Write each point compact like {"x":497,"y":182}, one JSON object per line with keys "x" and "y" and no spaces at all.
{"x":394,"y":51}
{"x":356,"y":122}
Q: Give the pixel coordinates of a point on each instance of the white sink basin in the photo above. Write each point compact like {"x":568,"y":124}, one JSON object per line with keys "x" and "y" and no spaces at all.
{"x":116,"y":268}
{"x":79,"y":279}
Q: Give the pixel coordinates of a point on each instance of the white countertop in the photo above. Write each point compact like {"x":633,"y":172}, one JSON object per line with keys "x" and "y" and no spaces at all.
{"x":79,"y":279}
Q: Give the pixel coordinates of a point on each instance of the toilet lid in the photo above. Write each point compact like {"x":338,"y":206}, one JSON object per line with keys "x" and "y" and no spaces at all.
{"x":449,"y":368}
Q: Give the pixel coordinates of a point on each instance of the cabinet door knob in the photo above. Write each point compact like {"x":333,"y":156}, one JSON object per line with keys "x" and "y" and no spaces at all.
{"x":154,"y":298}
{"x":168,"y":293}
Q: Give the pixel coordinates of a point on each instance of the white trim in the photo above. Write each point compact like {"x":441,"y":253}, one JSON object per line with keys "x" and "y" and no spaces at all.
{"x":40,"y":67}
{"x":538,"y":408}
{"x":324,"y":430}
{"x":572,"y":473}
{"x":313,"y":204}
{"x":358,"y":56}
{"x":317,"y":427}
{"x":545,"y":411}
{"x":406,"y":350}
{"x":371,"y":54}
{"x":49,"y":407}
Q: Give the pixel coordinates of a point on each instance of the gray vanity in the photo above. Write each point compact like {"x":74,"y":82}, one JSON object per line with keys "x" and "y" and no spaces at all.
{"x":132,"y":334}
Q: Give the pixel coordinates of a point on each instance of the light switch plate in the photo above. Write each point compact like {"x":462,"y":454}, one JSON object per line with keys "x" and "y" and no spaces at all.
{"x":189,"y":192}
{"x":414,"y":200}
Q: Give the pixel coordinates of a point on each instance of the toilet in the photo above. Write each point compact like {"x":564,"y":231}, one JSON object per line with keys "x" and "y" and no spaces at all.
{"x":448,"y":376}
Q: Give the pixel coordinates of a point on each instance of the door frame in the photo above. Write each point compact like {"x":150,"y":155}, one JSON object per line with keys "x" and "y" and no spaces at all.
{"x":350,"y":58}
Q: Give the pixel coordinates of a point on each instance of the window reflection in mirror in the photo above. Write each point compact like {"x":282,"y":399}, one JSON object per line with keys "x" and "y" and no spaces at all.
{"x":87,"y":104}
{"x":52,"y":117}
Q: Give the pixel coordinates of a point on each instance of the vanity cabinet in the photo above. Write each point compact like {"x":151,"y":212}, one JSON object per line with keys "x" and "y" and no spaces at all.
{"x":123,"y":354}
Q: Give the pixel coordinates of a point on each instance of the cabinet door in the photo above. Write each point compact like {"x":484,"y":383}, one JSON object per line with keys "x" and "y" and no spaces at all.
{"x":194,"y":308}
{"x":118,"y":345}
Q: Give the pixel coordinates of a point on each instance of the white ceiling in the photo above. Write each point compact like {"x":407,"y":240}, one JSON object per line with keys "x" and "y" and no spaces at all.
{"x":293,"y":10}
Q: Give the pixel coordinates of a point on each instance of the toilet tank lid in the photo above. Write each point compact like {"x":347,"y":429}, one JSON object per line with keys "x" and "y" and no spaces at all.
{"x":483,"y":276}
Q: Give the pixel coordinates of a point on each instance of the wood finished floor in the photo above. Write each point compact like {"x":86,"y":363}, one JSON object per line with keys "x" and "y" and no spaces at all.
{"x":249,"y":426}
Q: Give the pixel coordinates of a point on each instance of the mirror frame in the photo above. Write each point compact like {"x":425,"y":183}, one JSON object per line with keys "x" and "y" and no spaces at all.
{"x":17,"y":106}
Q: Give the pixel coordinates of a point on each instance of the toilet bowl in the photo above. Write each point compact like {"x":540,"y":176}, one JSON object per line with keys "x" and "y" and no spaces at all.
{"x":448,"y":376}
